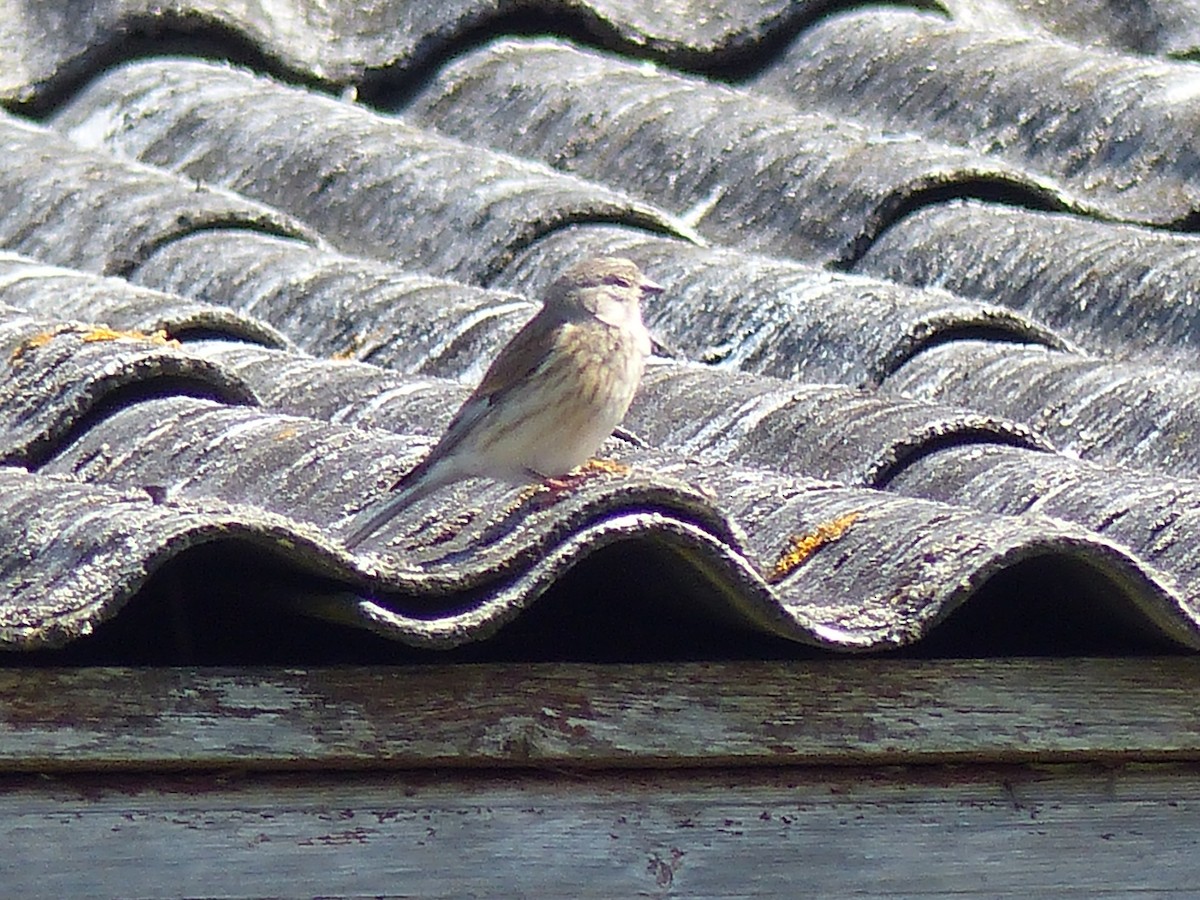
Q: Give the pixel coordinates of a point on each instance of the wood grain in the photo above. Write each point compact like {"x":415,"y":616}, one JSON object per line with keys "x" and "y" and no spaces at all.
{"x":925,"y":831}
{"x":850,"y":711}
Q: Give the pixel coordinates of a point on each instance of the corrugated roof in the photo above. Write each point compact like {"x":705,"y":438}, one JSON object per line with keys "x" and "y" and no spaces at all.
{"x":928,"y":321}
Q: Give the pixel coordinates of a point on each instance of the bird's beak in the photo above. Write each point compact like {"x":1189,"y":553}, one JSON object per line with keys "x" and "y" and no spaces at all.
{"x":651,"y":288}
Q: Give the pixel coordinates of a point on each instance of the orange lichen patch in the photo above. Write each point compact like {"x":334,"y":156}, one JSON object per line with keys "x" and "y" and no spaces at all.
{"x":286,"y":433}
{"x":805,"y":545}
{"x":104,"y":333}
{"x":361,"y":346}
{"x":526,"y":494}
{"x":598,"y":466}
{"x":38,"y":340}
{"x":351,"y":352}
{"x":91,"y":333}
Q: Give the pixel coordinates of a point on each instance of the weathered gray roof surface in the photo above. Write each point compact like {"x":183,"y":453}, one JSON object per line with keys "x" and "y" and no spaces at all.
{"x":930,"y":321}
{"x":1117,"y":129}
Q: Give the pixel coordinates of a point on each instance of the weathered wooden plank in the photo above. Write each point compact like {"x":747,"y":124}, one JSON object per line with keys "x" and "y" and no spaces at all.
{"x":928,"y":831}
{"x":847,"y":711}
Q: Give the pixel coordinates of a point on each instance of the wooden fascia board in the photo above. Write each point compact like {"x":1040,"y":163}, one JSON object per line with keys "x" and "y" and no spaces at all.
{"x":859,"y":711}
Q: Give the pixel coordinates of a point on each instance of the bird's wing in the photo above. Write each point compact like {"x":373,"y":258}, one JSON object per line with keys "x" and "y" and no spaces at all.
{"x":521,"y":356}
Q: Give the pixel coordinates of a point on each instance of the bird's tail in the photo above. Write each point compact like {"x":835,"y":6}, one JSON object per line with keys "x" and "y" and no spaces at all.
{"x":407,"y":491}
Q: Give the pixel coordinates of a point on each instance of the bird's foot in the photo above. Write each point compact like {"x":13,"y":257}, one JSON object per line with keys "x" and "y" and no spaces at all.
{"x":593,"y":468}
{"x":550,"y":488}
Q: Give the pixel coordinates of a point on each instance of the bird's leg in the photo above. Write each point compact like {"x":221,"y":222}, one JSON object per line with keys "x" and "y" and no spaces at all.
{"x":577,"y":476}
{"x":550,"y":487}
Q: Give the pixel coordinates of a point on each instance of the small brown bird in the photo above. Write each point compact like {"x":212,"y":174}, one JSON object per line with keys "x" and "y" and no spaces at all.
{"x":552,"y":395}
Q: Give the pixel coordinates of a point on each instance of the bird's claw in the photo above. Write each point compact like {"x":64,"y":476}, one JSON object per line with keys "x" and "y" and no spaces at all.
{"x":546,"y":492}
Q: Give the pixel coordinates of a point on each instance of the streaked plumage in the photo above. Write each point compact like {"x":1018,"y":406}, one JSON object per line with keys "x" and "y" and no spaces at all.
{"x":552,"y":395}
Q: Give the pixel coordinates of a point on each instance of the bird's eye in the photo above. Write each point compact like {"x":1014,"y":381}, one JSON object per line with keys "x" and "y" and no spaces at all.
{"x":618,"y":281}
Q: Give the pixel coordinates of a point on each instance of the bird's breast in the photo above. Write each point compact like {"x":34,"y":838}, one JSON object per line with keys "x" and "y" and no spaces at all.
{"x":582,"y":395}
{"x":607,"y":363}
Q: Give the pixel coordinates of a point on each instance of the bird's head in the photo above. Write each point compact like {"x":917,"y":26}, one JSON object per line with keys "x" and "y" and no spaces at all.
{"x":610,"y":288}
